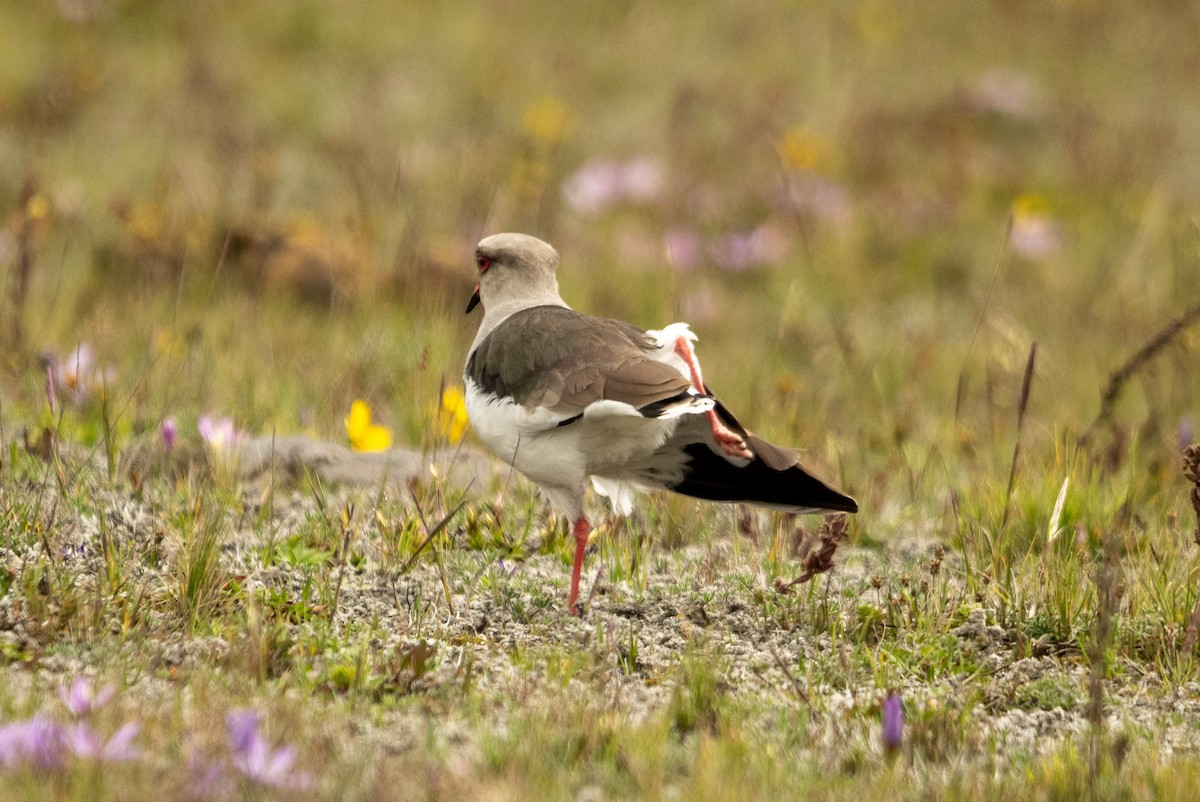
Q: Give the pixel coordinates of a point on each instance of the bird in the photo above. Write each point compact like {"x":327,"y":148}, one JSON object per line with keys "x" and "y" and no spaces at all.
{"x":564,"y":397}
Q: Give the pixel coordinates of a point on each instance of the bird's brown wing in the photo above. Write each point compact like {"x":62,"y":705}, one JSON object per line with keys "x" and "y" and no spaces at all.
{"x":556,"y":358}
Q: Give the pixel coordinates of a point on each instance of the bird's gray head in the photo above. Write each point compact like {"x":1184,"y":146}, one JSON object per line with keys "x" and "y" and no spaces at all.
{"x":515,"y":269}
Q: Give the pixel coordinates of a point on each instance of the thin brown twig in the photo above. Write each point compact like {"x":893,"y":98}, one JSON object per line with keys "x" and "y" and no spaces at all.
{"x":787,"y":672}
{"x":431,"y":534}
{"x":1121,"y":376}
{"x":1022,"y":405}
{"x":347,"y":520}
{"x":20,"y":286}
{"x":1106,"y":590}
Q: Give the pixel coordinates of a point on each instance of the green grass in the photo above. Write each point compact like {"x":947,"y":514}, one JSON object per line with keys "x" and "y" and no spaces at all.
{"x":267,"y":211}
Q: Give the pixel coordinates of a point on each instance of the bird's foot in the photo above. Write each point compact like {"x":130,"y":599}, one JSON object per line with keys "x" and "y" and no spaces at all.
{"x":732,"y":443}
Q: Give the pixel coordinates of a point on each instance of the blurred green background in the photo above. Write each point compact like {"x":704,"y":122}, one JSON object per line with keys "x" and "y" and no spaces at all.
{"x":867,"y":210}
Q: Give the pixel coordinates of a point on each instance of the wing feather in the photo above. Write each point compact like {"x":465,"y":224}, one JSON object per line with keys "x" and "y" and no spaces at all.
{"x":557,"y":358}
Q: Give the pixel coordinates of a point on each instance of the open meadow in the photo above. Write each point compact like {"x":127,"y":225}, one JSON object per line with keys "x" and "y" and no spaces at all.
{"x":950,"y":252}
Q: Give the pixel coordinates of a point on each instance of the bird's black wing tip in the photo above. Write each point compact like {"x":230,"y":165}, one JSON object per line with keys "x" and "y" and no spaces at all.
{"x":711,"y":476}
{"x":846,"y":504}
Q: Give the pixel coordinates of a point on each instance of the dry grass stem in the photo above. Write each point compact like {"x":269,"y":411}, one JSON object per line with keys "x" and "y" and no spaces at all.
{"x":1135,"y":363}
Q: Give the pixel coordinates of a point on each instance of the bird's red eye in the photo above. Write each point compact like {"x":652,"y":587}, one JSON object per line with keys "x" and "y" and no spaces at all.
{"x":483,"y":262}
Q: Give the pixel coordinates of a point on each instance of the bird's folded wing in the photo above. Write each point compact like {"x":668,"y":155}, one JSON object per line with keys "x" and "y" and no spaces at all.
{"x":555,"y":358}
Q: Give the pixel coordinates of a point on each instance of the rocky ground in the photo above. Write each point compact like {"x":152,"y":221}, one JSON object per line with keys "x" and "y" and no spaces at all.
{"x":454,"y":620}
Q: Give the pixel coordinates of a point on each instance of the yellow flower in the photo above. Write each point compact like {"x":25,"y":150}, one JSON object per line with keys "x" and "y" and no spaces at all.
{"x":305,"y":230}
{"x":38,"y":207}
{"x":804,"y":149}
{"x":145,"y":221}
{"x":364,"y":435}
{"x":1030,"y":206}
{"x":452,"y":415}
{"x":546,"y":119}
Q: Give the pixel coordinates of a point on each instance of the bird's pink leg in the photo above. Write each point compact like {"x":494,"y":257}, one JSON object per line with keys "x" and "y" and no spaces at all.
{"x":580,"y":530}
{"x":726,"y":438}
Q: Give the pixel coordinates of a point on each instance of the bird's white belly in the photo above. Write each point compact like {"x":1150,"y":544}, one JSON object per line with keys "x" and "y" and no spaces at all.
{"x":608,"y":436}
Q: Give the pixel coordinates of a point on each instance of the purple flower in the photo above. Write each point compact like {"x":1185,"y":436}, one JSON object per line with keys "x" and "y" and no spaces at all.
{"x":77,"y":377}
{"x":81,"y":741}
{"x":684,"y":249}
{"x":78,"y":367}
{"x":734,"y":252}
{"x":892,"y":714}
{"x":594,"y":188}
{"x":81,"y":698}
{"x":1035,"y":236}
{"x":1034,"y":233}
{"x":747,"y":250}
{"x":642,"y":180}
{"x":602,"y":184}
{"x":218,"y":433}
{"x":37,"y":740}
{"x":167,"y":430}
{"x":254,"y":757}
{"x":243,"y":729}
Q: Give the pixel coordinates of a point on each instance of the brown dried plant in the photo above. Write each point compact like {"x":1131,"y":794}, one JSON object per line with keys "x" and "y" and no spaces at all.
{"x":818,"y":553}
{"x":1134,"y":365}
{"x":1191,"y":469}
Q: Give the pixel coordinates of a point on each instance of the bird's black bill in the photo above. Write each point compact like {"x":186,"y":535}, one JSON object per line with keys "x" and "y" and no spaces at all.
{"x":474,"y":302}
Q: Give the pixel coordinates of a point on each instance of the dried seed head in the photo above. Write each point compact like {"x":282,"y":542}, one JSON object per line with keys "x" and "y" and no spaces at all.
{"x":1196,"y":507}
{"x":1191,"y":463}
{"x":832,"y":533}
{"x":876,"y":581}
{"x":1191,"y":469}
{"x":819,"y":556}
